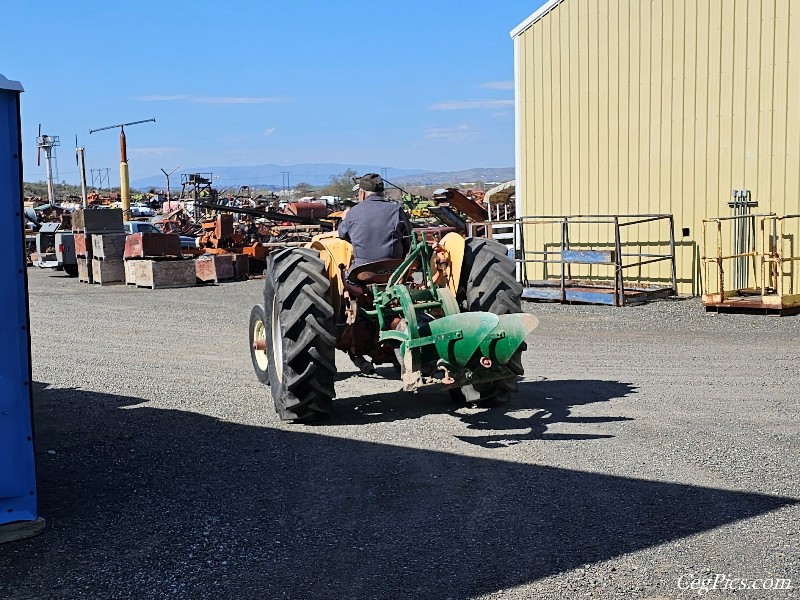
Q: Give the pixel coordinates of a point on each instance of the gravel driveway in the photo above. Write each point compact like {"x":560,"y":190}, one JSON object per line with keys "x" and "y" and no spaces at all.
{"x":648,"y":447}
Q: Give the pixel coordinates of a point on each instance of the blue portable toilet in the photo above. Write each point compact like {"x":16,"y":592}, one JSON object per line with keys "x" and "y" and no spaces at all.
{"x":18,"y":512}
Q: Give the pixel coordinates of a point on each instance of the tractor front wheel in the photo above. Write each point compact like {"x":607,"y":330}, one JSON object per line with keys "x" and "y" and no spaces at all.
{"x":299,"y":334}
{"x":258,"y":343}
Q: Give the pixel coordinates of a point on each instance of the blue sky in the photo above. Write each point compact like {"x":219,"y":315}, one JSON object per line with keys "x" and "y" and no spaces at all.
{"x":405,"y":84}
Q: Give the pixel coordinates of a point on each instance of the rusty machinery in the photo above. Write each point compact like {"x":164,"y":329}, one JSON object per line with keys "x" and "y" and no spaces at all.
{"x":447,"y":206}
{"x":259,"y":231}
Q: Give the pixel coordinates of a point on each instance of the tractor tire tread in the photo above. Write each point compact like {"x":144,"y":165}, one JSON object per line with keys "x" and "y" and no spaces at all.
{"x":491,"y":284}
{"x":297,"y":277}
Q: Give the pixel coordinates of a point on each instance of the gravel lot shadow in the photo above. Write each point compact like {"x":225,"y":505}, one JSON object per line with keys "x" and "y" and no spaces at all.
{"x":149,"y":503}
{"x":537,"y":406}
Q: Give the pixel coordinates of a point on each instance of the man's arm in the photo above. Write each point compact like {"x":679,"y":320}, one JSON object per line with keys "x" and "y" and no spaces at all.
{"x":344,"y":228}
{"x":404,"y":229}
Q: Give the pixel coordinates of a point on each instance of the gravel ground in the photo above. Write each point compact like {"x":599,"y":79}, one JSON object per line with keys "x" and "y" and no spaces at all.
{"x":646,"y":444}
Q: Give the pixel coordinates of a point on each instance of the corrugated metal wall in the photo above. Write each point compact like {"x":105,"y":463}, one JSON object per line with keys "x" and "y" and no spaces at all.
{"x":660,"y":106}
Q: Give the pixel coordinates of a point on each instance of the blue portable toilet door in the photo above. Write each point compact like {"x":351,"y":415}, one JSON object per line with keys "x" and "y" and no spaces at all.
{"x":18,"y":509}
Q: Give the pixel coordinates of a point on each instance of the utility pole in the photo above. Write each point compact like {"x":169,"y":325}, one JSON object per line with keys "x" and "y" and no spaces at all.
{"x":124,"y":182}
{"x":81,"y":161}
{"x":168,"y":174}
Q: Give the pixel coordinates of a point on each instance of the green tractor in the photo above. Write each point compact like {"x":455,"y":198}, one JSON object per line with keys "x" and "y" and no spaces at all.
{"x":448,"y":314}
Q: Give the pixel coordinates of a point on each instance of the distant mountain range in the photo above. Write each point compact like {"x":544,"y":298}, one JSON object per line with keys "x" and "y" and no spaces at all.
{"x":459,"y":178}
{"x":319,"y":174}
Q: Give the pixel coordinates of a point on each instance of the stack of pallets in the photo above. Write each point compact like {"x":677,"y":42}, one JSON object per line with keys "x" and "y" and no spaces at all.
{"x":155,"y":260}
{"x":87,"y":223}
{"x":107,"y":264}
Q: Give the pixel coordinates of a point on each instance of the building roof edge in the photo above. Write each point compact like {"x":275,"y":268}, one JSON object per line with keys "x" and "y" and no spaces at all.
{"x":542,"y":11}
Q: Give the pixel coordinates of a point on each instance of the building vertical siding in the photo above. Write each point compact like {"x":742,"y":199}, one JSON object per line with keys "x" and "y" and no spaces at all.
{"x":659,"y":106}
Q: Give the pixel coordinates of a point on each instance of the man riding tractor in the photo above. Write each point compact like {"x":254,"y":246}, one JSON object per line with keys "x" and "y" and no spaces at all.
{"x":378,"y":229}
{"x":446,"y":313}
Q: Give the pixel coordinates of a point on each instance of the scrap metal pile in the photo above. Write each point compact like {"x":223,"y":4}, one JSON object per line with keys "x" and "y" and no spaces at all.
{"x":239,"y":228}
{"x":255,"y":225}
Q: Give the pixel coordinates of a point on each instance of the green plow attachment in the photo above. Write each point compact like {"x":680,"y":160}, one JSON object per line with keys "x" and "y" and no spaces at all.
{"x":463,"y":348}
{"x":456,"y":349}
{"x":458,"y":337}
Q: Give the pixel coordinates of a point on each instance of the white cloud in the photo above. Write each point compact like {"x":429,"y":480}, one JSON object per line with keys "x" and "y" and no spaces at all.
{"x":156,"y":151}
{"x":462,"y":134}
{"x":498,"y":85}
{"x":269,"y":131}
{"x":471,"y":104}
{"x":211,"y":99}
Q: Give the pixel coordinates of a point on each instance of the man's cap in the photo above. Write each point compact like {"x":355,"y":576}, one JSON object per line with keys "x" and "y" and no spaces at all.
{"x":371,"y":182}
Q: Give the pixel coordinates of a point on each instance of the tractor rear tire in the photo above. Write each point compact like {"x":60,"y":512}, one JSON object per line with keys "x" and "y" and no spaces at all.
{"x":299,"y":332}
{"x":489,"y":284}
{"x":488,"y":280}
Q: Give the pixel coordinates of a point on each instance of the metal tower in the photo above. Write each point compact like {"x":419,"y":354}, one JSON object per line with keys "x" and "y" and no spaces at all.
{"x":47,"y":142}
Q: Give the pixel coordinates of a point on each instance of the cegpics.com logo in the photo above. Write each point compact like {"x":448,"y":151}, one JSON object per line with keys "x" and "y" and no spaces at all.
{"x":725,"y":581}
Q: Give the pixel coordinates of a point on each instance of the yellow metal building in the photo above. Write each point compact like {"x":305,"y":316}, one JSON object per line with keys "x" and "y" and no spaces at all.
{"x":657,"y":106}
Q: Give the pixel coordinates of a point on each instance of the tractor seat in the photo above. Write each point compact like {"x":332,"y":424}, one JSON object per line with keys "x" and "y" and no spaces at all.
{"x":378,"y":272}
